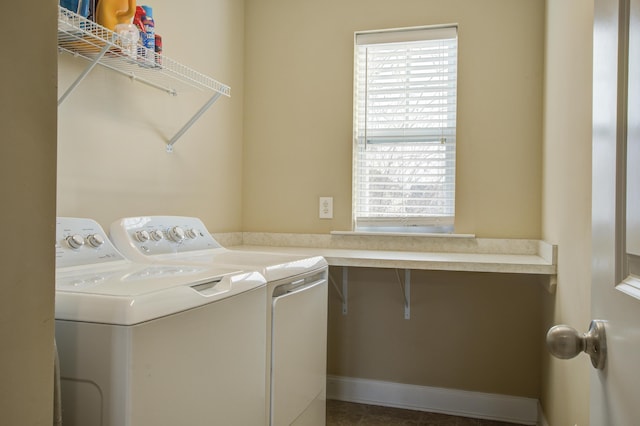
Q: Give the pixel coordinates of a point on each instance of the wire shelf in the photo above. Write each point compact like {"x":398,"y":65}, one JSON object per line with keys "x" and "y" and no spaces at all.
{"x":84,"y":38}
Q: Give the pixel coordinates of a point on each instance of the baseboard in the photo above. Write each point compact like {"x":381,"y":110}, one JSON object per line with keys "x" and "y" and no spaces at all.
{"x":480,"y":405}
{"x":542,"y":420}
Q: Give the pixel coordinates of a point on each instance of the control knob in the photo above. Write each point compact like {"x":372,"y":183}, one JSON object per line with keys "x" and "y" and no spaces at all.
{"x":142,"y":236}
{"x":192,"y":233}
{"x":95,"y":240}
{"x":156,"y":235}
{"x":75,"y":241}
{"x":176,"y":234}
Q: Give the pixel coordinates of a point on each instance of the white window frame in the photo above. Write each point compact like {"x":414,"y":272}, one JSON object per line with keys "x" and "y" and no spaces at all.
{"x":385,"y":198}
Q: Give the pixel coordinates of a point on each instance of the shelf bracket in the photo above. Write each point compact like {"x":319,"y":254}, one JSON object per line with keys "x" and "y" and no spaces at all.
{"x":549,"y":282}
{"x":342,"y":294}
{"x":406,"y":291}
{"x":82,"y":76}
{"x":333,"y":283}
{"x":345,"y":288}
{"x":193,"y":119}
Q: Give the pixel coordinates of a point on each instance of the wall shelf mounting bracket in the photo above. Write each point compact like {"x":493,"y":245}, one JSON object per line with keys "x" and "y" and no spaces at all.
{"x":345,"y":288}
{"x":95,"y":61}
{"x":193,"y":119}
{"x":406,"y":291}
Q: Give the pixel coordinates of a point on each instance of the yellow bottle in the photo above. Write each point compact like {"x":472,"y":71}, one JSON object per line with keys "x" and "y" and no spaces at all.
{"x":110,"y":13}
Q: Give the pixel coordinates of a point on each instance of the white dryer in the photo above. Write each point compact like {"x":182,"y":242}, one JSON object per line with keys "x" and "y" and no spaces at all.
{"x":143,"y":344}
{"x":296,"y":306}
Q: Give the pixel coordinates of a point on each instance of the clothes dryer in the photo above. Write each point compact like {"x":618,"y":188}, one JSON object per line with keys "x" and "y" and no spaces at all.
{"x":296,"y":303}
{"x":143,"y":344}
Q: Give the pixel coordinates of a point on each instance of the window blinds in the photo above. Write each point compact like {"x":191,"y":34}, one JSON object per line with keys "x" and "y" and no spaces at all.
{"x":405,"y":127}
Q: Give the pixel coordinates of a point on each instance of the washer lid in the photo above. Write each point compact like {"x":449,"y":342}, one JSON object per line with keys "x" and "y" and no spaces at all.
{"x":273,"y":266}
{"x":138,"y":293}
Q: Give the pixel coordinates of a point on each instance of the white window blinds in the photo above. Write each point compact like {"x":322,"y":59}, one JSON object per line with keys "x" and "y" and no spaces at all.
{"x":405,"y":128}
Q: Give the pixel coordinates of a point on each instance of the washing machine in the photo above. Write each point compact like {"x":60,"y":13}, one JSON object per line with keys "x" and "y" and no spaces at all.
{"x":296,"y":303}
{"x":142,"y":344}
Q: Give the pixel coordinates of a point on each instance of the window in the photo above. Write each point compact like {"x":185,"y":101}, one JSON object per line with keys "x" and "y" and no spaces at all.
{"x":405,"y":130}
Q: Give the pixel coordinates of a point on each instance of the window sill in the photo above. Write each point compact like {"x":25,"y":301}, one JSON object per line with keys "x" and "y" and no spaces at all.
{"x":403,"y":234}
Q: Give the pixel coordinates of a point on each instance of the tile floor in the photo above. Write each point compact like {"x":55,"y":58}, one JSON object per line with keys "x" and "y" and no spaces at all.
{"x":341,"y":413}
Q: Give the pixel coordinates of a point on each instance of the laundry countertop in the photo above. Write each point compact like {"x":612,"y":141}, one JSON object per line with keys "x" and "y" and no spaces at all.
{"x":518,"y":256}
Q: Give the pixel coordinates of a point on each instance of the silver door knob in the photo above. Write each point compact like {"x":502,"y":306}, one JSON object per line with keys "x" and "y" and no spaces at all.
{"x":565,"y":342}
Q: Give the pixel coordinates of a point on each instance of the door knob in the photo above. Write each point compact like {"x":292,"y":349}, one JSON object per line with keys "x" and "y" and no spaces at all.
{"x":565,"y":342}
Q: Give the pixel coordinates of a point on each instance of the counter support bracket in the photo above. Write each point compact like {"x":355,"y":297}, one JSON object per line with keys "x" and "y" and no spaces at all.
{"x":405,"y":286}
{"x":345,"y":287}
{"x":406,"y":291}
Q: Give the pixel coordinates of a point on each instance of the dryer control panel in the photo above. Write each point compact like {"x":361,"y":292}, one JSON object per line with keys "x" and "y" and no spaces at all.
{"x":81,"y":241}
{"x":161,"y":235}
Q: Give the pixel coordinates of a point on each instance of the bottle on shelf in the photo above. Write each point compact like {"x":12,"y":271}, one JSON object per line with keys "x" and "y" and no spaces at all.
{"x":110,"y":13}
{"x":137,"y":21}
{"x":81,"y":7}
{"x":149,"y":28}
{"x":158,"y":47}
{"x":128,"y":39}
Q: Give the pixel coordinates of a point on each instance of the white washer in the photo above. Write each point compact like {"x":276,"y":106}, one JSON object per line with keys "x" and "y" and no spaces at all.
{"x":148,"y":344}
{"x":296,"y":306}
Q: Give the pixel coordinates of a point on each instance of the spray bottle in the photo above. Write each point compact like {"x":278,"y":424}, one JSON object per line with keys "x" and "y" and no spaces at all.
{"x":137,"y":21}
{"x":149,"y":28}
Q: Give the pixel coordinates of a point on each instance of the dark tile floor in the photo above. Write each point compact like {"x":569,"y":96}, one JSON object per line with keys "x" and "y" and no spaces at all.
{"x":341,"y":413}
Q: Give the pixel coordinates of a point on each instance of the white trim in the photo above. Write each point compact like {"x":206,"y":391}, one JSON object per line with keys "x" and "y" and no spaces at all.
{"x":630,"y":286}
{"x":542,"y":420}
{"x":506,"y":408}
{"x":404,"y":35}
{"x":403,"y":234}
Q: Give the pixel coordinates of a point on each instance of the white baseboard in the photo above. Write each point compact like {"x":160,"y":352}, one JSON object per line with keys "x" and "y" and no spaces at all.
{"x":542,"y":420}
{"x":480,"y":405}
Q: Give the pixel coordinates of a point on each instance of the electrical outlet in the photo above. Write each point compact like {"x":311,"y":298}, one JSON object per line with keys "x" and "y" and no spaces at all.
{"x":326,"y":207}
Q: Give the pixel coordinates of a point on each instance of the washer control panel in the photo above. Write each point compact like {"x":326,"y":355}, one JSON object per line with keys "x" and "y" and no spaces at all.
{"x":158,"y":235}
{"x":81,"y":241}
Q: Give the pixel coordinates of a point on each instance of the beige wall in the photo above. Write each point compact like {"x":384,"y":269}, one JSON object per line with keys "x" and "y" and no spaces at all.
{"x":566,"y":210}
{"x":470,"y":331}
{"x":298,"y":110}
{"x":297,"y":124}
{"x":291,"y":108}
{"x":27,"y":191}
{"x":112,"y":131}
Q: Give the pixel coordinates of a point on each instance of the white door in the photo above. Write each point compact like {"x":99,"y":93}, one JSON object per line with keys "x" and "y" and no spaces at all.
{"x":615,"y":390}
